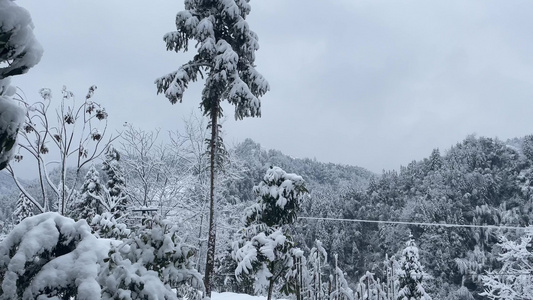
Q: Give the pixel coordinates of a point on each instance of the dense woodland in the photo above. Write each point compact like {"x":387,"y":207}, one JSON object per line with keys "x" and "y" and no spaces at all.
{"x":478,"y":181}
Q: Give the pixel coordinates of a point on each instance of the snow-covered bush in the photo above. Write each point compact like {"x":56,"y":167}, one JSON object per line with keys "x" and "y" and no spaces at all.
{"x":317,"y":262}
{"x":49,"y":255}
{"x":106,"y":226}
{"x":150,"y":263}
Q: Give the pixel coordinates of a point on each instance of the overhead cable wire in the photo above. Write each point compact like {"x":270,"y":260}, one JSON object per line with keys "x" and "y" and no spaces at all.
{"x":415,"y":223}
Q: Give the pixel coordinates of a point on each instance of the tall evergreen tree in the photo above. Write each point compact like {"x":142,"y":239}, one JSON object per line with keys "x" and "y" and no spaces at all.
{"x":115,"y":184}
{"x":411,"y":274}
{"x":226,"y":54}
{"x":91,"y":201}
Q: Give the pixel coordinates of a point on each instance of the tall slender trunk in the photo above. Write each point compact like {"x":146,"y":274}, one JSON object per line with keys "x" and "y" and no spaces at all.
{"x":210,"y":260}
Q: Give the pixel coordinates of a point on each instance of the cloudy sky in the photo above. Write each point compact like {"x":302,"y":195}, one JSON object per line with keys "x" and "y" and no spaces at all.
{"x":375,"y":84}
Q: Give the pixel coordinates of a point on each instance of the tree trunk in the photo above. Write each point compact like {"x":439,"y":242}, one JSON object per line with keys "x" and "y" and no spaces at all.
{"x":270,"y":288}
{"x":210,"y":260}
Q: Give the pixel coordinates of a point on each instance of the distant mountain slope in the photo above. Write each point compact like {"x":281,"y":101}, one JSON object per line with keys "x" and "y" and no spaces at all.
{"x":316,"y":174}
{"x":479,"y":181}
{"x":7,"y":185}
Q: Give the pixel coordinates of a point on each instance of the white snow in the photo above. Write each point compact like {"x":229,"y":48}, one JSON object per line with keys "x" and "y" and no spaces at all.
{"x":26,"y":51}
{"x":233,"y":296}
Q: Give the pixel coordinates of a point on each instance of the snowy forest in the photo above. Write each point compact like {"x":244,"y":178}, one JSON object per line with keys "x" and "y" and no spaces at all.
{"x":142,"y":213}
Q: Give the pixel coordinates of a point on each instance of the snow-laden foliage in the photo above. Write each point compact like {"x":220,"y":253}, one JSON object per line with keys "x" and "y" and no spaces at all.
{"x":150,"y":263}
{"x":19,"y":51}
{"x":117,"y":200}
{"x":226,"y":51}
{"x":264,"y":250}
{"x":23,"y":209}
{"x":91,"y":201}
{"x":340,"y":289}
{"x":317,"y":263}
{"x":279,"y":197}
{"x":51,"y":256}
{"x":513,"y":280}
{"x":106,"y":226}
{"x":411,"y":274}
{"x":18,"y":44}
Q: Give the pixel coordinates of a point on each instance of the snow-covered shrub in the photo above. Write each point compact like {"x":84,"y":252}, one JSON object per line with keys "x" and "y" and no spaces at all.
{"x":150,"y":263}
{"x":106,"y":226}
{"x":49,"y":255}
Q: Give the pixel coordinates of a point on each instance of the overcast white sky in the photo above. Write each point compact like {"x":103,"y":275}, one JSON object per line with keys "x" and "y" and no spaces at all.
{"x":375,"y":84}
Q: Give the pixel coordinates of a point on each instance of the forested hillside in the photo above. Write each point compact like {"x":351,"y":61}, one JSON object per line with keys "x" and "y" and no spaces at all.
{"x":479,"y":181}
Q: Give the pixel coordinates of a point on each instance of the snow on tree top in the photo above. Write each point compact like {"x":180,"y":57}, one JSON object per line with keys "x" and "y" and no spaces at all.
{"x":281,"y":192}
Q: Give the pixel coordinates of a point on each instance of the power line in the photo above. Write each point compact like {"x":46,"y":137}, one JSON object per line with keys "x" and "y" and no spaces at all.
{"x":415,"y":223}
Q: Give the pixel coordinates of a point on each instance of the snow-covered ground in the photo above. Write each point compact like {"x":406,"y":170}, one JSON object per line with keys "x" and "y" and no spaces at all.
{"x":233,"y":296}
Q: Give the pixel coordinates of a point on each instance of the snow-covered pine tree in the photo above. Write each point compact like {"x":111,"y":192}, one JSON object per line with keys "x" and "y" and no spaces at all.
{"x":117,"y":200}
{"x":226,"y":54}
{"x":435,"y":160}
{"x":264,"y":248}
{"x":91,"y":201}
{"x":19,"y":51}
{"x":411,"y":274}
{"x":23,"y":208}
